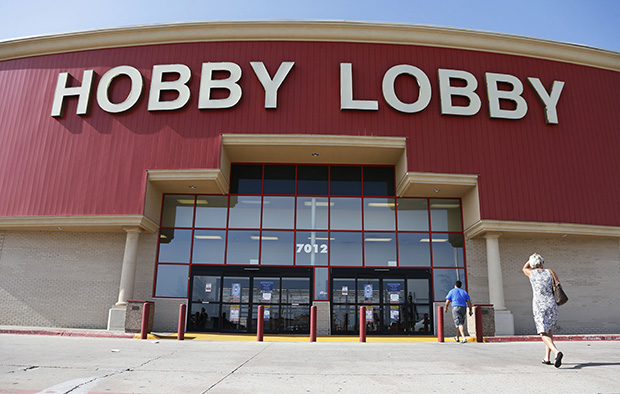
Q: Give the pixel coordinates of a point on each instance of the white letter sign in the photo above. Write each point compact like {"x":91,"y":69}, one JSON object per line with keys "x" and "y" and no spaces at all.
{"x":180,"y":86}
{"x":207,"y":83}
{"x":106,"y":81}
{"x":346,"y":92}
{"x":446,"y":91}
{"x":549,"y":101}
{"x":62,"y":91}
{"x":271,"y":86}
{"x":494,"y":95}
{"x":389,"y":93}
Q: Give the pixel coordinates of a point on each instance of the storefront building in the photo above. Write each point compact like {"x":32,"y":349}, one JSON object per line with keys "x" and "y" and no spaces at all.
{"x":229,"y":165}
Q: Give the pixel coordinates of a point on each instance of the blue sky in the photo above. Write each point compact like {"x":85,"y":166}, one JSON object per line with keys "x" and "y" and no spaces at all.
{"x":594,"y":23}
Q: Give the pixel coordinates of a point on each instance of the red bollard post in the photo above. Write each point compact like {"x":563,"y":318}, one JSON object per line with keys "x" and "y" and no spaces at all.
{"x":260,"y":323}
{"x":362,"y":324}
{"x":181,"y":327}
{"x":313,"y":323}
{"x":144,"y":328}
{"x":478,"y":316}
{"x":440,"y":336}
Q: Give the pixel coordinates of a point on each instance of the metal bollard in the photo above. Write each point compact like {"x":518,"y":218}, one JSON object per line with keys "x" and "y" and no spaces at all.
{"x":144,"y":328}
{"x":260,"y":323}
{"x":478,"y":316}
{"x":440,"y":336}
{"x":181,"y":327}
{"x":313,"y":323}
{"x":362,"y":324}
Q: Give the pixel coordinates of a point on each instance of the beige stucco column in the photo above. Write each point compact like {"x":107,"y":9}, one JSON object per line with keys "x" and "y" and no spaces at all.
{"x":116,"y":316}
{"x":504,"y":321}
{"x":128,"y":271}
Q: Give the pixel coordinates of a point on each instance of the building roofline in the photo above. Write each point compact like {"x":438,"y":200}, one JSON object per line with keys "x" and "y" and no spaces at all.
{"x":307,"y":30}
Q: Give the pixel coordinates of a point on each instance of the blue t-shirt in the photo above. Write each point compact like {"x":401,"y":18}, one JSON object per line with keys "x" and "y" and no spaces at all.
{"x":458,"y":297}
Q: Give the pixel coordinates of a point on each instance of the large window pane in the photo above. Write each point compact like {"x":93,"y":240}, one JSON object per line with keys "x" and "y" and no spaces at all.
{"x":346,"y":213}
{"x":414,"y":250}
{"x":312,"y":213}
{"x":279,"y":179}
{"x":171,"y":280}
{"x":443,"y":281}
{"x":312,"y":180}
{"x":346,"y":249}
{"x":209,"y":246}
{"x":448,"y":250}
{"x":321,"y":283}
{"x":344,"y":290}
{"x":244,"y":211}
{"x":446,"y":215}
{"x":368,"y":291}
{"x":380,"y":249}
{"x":345,"y":181}
{"x":279,"y":212}
{"x":277,"y":248}
{"x":378,"y":181}
{"x":211,"y":211}
{"x":413,"y":214}
{"x":174,"y":245}
{"x":312,"y":248}
{"x":178,"y":211}
{"x":242,"y":247}
{"x":295,"y":290}
{"x":266,"y":290}
{"x":246,"y":179}
{"x":379,"y":214}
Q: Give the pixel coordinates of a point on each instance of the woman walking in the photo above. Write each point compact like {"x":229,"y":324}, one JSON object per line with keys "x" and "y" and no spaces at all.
{"x":543,"y":305}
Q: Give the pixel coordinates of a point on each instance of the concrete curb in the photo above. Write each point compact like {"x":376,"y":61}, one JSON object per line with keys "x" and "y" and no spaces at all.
{"x":535,"y":338}
{"x":66,"y":333}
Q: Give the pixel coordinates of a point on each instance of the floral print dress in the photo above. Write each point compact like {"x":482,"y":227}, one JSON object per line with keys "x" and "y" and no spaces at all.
{"x":543,"y":302}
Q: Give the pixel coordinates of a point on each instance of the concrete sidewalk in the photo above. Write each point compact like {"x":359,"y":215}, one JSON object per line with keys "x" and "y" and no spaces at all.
{"x":90,"y":365}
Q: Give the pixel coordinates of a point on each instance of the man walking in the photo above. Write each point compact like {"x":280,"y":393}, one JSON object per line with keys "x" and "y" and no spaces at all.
{"x":460,"y":300}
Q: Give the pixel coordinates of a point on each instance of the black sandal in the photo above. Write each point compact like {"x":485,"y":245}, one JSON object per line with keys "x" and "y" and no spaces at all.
{"x":548,"y":362}
{"x":558,"y":360}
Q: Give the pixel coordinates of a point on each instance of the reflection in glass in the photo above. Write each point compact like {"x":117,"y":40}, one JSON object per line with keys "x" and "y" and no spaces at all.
{"x":412,"y":214}
{"x":279,"y":179}
{"x":242,"y":247}
{"x":178,"y":211}
{"x":244,"y":212}
{"x":345,"y":181}
{"x":277,"y":248}
{"x":344,"y":318}
{"x":448,"y":250}
{"x":266,"y":291}
{"x":211,"y":211}
{"x":271,"y":317}
{"x":369,"y":291}
{"x":346,"y":249}
{"x":295,"y":290}
{"x":446,"y":215}
{"x":246,"y":178}
{"x":379,"y":214}
{"x":234,"y":317}
{"x":174,"y":245}
{"x":312,"y":213}
{"x":414,"y":250}
{"x":346,"y":213}
{"x":312,"y":180}
{"x":380,"y":249}
{"x":379,"y":181}
{"x":171,"y":280}
{"x":236,"y":289}
{"x":203,"y":316}
{"x":279,"y":212}
{"x":206,"y":288}
{"x":209,"y":246}
{"x":444,"y":281}
{"x":312,"y":248}
{"x":344,"y":290}
{"x":295,"y":318}
{"x":321,"y":284}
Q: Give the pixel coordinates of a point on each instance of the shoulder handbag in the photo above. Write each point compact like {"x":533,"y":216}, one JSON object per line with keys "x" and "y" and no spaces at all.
{"x":560,"y":296}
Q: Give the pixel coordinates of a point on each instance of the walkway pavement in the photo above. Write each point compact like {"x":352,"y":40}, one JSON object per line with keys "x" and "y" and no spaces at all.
{"x":80,"y":364}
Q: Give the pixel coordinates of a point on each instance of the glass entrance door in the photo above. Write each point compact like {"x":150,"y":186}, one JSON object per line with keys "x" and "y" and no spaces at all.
{"x":396,"y":301}
{"x":227,"y":300}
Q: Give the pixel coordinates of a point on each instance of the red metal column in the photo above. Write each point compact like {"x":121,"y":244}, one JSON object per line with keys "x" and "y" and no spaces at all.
{"x":362,"y":324}
{"x":144,"y":328}
{"x":440,"y":337}
{"x":260,"y":323}
{"x":181,"y":326}
{"x":313,"y":311}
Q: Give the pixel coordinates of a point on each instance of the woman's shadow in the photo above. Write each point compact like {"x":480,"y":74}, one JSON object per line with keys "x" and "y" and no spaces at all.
{"x":592,"y":364}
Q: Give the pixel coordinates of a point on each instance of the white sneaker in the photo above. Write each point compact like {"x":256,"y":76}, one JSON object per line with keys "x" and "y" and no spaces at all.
{"x":464,"y":340}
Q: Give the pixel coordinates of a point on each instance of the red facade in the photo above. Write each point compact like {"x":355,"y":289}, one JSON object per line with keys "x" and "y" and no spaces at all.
{"x":96,"y":164}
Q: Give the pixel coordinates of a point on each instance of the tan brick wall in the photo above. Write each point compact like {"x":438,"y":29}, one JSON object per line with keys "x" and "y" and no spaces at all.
{"x":589,"y":269}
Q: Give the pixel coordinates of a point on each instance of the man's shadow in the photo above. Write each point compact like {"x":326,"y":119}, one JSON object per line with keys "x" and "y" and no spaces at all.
{"x":586,"y":365}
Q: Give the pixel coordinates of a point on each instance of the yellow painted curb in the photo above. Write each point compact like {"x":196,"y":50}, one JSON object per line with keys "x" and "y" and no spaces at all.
{"x":293,"y":338}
